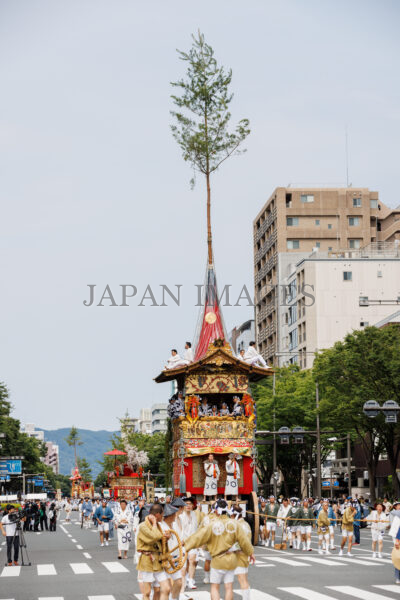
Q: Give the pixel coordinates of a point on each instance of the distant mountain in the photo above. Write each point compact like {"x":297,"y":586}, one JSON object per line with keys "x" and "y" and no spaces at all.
{"x":95,"y":443}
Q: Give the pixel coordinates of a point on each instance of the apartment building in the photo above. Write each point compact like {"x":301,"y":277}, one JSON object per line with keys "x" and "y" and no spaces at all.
{"x":298,"y":220}
{"x":159,"y":417}
{"x":324,"y":300}
{"x":52,"y":458}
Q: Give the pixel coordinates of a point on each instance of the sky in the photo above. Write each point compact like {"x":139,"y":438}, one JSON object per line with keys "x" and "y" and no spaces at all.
{"x":94,"y":190}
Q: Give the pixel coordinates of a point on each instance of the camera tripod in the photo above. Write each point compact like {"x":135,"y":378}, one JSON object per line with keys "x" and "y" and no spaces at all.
{"x":22,"y":545}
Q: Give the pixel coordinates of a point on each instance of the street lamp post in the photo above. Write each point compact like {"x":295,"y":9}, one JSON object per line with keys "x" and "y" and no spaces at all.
{"x":275,"y":483}
{"x":318,"y":442}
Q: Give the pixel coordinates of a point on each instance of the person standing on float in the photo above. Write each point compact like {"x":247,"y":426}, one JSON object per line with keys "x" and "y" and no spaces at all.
{"x":212,"y":472}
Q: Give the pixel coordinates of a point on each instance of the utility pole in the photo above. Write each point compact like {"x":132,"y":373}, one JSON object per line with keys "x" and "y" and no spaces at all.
{"x":349,"y":461}
{"x":318,"y":494}
{"x":274,"y":442}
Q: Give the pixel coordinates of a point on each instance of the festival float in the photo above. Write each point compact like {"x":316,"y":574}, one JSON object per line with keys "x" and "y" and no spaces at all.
{"x":215,"y":378}
{"x":128,"y":479}
{"x":79,"y":488}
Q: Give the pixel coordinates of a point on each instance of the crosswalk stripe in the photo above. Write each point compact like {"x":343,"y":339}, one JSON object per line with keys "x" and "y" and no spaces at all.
{"x":383,"y":560}
{"x":395,"y":589}
{"x":257,"y":595}
{"x":51,"y":598}
{"x":357,"y":593}
{"x":324,"y":561}
{"x":79,"y":547}
{"x":74,"y":541}
{"x":287,"y":561}
{"x":46,"y":570}
{"x":101,"y":598}
{"x":87,"y":555}
{"x":356,"y":561}
{"x":115,"y":567}
{"x":10,"y":572}
{"x":81,"y":568}
{"x":306,"y":593}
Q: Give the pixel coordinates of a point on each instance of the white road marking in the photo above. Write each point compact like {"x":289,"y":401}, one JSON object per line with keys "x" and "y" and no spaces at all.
{"x":306,"y":593}
{"x":357,"y":561}
{"x":257,"y":595}
{"x":357,"y":593}
{"x":46,"y":570}
{"x":87,"y":555}
{"x":69,"y":535}
{"x":79,"y":547}
{"x":10,"y":572}
{"x":324,"y":561}
{"x":115,"y":567}
{"x":395,"y":589}
{"x":287,"y":561}
{"x":81,"y":568}
{"x":102,"y":597}
{"x":51,"y":598}
{"x":74,"y":541}
{"x":63,"y":529}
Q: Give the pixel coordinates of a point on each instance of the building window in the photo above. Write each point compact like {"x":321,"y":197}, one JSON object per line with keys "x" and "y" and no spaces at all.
{"x":354,"y":221}
{"x":293,"y":339}
{"x":318,"y":244}
{"x":329,"y":248}
{"x":317,"y":221}
{"x":364,"y":323}
{"x":347,"y":276}
{"x":292,"y":244}
{"x":373,"y":203}
{"x":329,"y":225}
{"x":305,"y":198}
{"x":292,"y":221}
{"x":292,"y":315}
{"x":354,"y":244}
{"x":356,"y":201}
{"x":380,"y":274}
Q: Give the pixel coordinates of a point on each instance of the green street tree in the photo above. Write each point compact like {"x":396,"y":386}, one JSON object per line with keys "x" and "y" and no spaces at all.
{"x":84,"y":469}
{"x":16,"y":443}
{"x":202,"y":117}
{"x":365,"y":366}
{"x":293,"y":405}
{"x":73,"y":439}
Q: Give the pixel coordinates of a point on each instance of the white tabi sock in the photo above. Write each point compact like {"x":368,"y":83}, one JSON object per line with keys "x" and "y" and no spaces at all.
{"x":246,"y":594}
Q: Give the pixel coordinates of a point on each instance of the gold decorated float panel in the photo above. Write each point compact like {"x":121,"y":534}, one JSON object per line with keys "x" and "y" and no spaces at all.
{"x":215,"y":428}
{"x":207,"y":446}
{"x":216,"y":383}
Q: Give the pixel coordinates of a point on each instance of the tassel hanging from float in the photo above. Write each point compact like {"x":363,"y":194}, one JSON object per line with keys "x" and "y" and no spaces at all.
{"x":255,"y":482}
{"x":182,"y":483}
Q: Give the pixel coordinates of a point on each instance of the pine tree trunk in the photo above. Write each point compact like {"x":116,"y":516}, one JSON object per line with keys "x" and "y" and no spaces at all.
{"x":209,"y":236}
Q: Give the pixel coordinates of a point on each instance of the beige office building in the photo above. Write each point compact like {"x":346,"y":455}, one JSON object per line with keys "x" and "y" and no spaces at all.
{"x":297,"y":221}
{"x":337,"y":287}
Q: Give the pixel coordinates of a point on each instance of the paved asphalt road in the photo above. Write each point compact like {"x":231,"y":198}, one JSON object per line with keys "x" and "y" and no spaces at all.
{"x":71,"y":565}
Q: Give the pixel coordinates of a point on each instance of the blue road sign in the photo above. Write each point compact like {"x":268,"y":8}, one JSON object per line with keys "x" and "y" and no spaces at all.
{"x":10,"y":467}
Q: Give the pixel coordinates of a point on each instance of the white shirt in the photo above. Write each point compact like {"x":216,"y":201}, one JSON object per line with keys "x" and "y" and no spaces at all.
{"x":8,"y":526}
{"x":173,"y":360}
{"x":189,"y":355}
{"x":250,"y":354}
{"x":188,"y":524}
{"x":209,"y":469}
